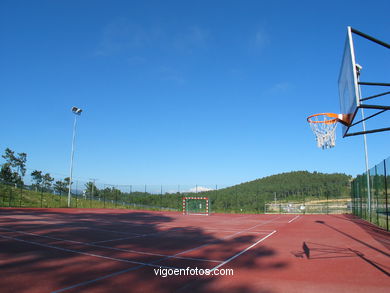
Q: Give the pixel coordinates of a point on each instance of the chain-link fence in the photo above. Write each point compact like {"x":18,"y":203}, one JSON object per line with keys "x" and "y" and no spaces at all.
{"x":223,"y":199}
{"x":93,"y":195}
{"x":370,"y":201}
{"x":249,"y":197}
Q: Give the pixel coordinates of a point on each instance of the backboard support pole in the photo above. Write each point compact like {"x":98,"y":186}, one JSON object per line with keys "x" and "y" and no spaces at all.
{"x":375,"y":40}
{"x":375,"y":96}
{"x":366,"y":118}
{"x":367,"y":132}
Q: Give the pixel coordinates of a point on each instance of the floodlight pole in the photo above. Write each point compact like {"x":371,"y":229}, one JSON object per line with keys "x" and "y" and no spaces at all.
{"x":77,"y":112}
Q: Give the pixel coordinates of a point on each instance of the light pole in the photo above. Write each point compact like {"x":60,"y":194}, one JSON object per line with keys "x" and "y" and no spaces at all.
{"x":77,"y":112}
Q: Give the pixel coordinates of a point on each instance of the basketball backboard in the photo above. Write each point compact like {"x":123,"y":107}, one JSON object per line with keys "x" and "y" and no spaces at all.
{"x":350,"y":98}
{"x":348,"y":83}
{"x":349,"y":88}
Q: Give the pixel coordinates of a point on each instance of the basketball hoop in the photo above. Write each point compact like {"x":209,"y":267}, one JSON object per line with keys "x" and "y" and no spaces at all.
{"x":324,"y":127}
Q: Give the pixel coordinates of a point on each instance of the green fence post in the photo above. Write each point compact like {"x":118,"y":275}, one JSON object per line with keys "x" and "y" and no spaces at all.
{"x":10,"y":197}
{"x":386,"y":202}
{"x":116,"y":198}
{"x":236,"y":209}
{"x":77,"y":196}
{"x":161,"y":198}
{"x":376,"y":188}
{"x":327,"y":203}
{"x":21,"y":195}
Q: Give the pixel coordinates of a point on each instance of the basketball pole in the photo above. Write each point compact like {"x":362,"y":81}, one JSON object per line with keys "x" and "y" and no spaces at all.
{"x":365,"y":149}
{"x":367,"y":167}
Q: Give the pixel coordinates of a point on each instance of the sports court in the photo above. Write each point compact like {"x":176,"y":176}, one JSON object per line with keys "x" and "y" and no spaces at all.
{"x":167,"y":99}
{"x":78,"y":250}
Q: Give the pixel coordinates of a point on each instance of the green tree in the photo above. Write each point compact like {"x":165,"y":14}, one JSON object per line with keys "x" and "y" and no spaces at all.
{"x":6,"y":174}
{"x":37,"y":178}
{"x":111,"y":193}
{"x":21,"y":160}
{"x":60,"y":186}
{"x":91,"y":189}
{"x":67,"y":180}
{"x":47,"y":181}
{"x":16,"y":162}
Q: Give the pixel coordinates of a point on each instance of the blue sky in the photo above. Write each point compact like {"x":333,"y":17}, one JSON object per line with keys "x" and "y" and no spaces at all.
{"x":206,"y":92}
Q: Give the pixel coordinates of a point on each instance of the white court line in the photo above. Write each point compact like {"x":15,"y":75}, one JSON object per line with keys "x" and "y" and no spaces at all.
{"x":221,"y":230}
{"x":84,"y":224}
{"x":98,"y":279}
{"x":293,"y":219}
{"x":83,"y":253}
{"x":214,"y":241}
{"x":233,"y":231}
{"x":110,"y":248}
{"x":78,"y":226}
{"x":111,"y":231}
{"x":42,"y":236}
{"x":137,"y":236}
{"x":115,"y":239}
{"x":227,"y":221}
{"x":266,"y":222}
{"x":243,"y":251}
{"x":223,"y":238}
{"x":174,"y":256}
{"x":239,"y":218}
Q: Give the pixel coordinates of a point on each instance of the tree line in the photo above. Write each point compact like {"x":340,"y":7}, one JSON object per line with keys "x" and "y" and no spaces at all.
{"x":245,"y":197}
{"x":296,"y":186}
{"x":14,"y":169}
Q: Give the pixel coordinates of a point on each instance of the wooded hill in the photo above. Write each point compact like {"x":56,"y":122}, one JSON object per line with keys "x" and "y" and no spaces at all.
{"x":298,"y":186}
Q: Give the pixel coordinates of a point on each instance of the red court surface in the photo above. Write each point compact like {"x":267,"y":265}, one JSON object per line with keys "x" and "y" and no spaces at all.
{"x":81,"y":250}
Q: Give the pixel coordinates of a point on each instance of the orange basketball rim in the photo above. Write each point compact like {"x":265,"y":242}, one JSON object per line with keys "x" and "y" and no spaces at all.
{"x":324,"y":127}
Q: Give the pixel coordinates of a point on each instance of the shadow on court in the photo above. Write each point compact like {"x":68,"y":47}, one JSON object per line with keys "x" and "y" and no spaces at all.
{"x":369,"y":230}
{"x":96,"y":251}
{"x":379,"y":234}
{"x":322,"y":251}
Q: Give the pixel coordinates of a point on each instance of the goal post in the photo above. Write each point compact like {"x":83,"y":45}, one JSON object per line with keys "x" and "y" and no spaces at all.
{"x":193,"y":205}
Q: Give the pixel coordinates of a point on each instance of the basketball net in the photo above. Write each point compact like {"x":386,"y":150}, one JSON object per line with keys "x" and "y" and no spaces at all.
{"x":324,"y":128}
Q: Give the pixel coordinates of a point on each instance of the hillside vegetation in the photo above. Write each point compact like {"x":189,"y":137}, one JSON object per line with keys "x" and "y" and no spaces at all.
{"x":247,"y":197}
{"x":298,"y":186}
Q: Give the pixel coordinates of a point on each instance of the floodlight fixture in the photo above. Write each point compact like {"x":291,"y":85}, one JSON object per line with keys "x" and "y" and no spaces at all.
{"x":76,"y":110}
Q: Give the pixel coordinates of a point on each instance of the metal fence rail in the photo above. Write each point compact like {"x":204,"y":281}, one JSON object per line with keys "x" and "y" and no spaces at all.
{"x":146,"y":197}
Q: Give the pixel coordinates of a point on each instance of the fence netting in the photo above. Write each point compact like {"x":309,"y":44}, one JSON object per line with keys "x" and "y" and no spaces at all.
{"x":370,"y":195}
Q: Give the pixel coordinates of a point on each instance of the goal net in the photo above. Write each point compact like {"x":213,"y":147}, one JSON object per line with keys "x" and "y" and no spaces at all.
{"x":196,"y":206}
